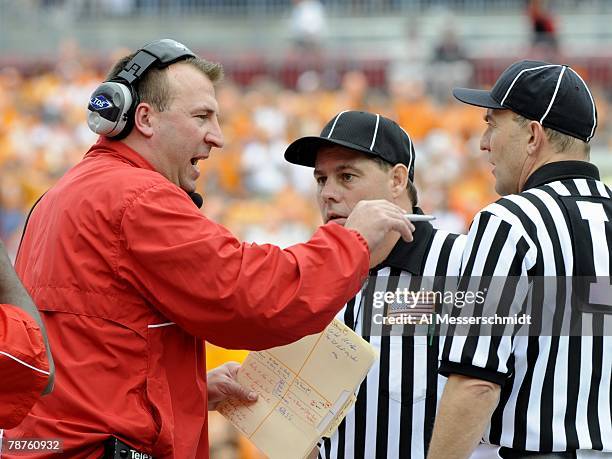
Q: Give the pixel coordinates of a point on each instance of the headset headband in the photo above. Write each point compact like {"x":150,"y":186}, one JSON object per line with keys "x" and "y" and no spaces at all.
{"x":160,"y":53}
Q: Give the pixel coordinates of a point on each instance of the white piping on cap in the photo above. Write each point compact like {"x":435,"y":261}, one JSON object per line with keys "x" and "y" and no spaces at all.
{"x":24,"y":363}
{"x":335,"y":121}
{"x":592,"y":103}
{"x":375,"y":131}
{"x":409,"y":148}
{"x":519,"y":75}
{"x":554,"y":96}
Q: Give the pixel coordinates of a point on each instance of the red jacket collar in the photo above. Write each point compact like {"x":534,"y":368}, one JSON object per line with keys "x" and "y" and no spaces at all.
{"x":105,"y":146}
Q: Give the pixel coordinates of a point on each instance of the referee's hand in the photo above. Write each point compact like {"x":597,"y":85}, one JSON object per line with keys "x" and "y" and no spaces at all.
{"x":374,"y":219}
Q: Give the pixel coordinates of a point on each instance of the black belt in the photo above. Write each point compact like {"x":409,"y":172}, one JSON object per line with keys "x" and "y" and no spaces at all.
{"x":507,"y":453}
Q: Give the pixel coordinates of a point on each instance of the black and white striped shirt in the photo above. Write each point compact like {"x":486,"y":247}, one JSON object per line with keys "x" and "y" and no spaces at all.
{"x":555,"y":390}
{"x":396,"y":404}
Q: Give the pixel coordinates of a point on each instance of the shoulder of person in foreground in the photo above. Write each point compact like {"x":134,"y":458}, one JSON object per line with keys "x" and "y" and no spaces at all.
{"x":24,"y":367}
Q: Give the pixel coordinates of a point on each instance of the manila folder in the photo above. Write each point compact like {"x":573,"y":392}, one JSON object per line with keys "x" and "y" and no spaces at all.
{"x":305,"y":389}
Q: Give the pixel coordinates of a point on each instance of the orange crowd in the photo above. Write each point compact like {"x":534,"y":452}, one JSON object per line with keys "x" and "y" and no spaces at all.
{"x":247,"y":185}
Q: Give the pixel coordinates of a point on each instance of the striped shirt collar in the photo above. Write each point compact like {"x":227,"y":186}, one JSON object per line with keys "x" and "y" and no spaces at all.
{"x":410,"y":256}
{"x":560,"y":170}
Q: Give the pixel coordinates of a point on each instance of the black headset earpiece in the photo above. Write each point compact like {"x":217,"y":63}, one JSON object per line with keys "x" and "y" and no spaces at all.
{"x":112,"y":105}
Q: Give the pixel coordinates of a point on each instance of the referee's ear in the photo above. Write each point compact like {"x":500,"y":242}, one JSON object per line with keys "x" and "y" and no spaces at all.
{"x":537,"y":138}
{"x":399,"y":178}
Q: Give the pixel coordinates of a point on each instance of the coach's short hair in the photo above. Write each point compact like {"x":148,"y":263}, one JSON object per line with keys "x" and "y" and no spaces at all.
{"x":154,"y":86}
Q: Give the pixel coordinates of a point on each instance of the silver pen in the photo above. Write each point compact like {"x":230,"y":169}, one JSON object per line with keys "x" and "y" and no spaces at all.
{"x":419,"y":218}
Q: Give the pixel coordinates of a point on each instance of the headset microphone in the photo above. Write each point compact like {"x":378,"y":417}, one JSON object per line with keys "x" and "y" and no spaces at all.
{"x":197,"y":199}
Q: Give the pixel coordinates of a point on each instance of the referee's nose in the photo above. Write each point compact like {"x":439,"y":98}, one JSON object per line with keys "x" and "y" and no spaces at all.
{"x":330,"y":191}
{"x":485,"y":141}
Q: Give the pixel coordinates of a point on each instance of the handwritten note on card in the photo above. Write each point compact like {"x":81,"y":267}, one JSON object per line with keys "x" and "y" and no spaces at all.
{"x":305,"y":389}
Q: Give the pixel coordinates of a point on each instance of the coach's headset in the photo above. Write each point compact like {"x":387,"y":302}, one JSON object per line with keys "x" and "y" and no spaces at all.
{"x":112,"y":105}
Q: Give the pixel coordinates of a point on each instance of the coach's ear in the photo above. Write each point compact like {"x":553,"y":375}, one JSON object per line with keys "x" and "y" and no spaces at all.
{"x":143,"y":119}
{"x":537,"y":138}
{"x":399,"y":180}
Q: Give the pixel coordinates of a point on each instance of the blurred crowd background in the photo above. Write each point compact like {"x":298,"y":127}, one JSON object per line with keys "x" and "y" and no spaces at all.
{"x":290,"y":67}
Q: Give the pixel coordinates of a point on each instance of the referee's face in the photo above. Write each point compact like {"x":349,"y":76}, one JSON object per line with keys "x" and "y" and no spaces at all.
{"x":506,"y":143}
{"x":345,"y":177}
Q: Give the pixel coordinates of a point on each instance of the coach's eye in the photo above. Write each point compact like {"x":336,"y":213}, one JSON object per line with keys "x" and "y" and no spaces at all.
{"x":347,"y":177}
{"x":320,"y":180}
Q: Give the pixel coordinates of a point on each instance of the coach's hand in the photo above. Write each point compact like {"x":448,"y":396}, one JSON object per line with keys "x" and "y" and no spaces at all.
{"x":222,"y":385}
{"x":374,"y":219}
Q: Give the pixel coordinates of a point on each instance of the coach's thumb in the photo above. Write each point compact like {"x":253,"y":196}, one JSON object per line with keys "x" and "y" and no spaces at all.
{"x":235,"y":390}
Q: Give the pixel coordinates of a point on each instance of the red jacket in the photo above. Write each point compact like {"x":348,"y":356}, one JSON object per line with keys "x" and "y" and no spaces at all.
{"x":131,"y":279}
{"x":24,"y":368}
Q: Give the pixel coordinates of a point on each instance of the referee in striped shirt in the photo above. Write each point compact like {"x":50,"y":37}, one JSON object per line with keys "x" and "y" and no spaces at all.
{"x":364,"y":156}
{"x":547,"y":394}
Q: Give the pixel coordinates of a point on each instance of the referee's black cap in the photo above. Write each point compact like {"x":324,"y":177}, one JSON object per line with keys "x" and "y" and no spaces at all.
{"x":369,"y":133}
{"x":555,"y":95}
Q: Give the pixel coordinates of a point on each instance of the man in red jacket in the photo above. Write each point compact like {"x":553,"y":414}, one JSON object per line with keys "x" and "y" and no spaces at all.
{"x":26,"y":366}
{"x":132,"y":278}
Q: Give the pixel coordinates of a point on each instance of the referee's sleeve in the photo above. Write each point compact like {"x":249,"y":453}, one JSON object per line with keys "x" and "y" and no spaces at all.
{"x":495,"y":253}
